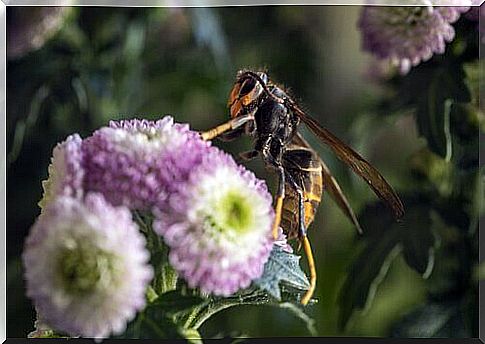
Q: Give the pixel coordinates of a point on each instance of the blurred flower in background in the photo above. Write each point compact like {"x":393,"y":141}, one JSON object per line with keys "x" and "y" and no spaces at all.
{"x":407,"y":35}
{"x":29,"y":28}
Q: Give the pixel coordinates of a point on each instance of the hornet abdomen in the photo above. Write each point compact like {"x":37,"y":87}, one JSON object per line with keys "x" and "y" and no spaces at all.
{"x":303,"y":164}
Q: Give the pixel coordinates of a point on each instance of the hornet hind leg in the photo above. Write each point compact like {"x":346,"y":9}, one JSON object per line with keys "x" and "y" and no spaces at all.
{"x":302,"y":236}
{"x":308,"y":251}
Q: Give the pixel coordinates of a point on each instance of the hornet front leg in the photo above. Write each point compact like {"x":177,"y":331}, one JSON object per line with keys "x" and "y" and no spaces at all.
{"x":233,"y":124}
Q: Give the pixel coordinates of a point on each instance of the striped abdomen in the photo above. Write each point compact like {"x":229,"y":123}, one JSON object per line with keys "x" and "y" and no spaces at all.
{"x":303,"y":164}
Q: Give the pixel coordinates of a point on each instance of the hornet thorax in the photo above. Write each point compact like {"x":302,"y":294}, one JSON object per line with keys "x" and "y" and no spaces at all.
{"x":274,"y":124}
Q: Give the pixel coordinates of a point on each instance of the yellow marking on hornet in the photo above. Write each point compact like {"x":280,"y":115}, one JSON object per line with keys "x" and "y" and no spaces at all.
{"x":311,"y":169}
{"x":312,"y":197}
{"x":313,"y":272}
{"x":277,"y":219}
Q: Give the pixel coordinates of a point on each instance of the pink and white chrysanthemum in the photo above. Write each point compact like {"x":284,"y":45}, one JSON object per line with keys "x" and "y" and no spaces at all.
{"x":407,"y":35}
{"x":65,"y":171}
{"x":135,"y":162}
{"x":218,"y":226}
{"x":86,"y":266}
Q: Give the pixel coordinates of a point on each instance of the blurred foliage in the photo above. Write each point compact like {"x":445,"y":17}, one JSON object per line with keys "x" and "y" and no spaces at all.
{"x":413,"y":278}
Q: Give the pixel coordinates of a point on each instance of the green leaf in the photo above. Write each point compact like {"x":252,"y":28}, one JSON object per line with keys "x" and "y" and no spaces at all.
{"x":298,"y":312}
{"x":175,"y":301}
{"x":432,"y":170}
{"x":432,"y":320}
{"x":465,"y":121}
{"x":366,"y":273}
{"x":412,"y":236}
{"x":153,"y":323}
{"x":446,"y":86}
{"x":418,"y":240}
{"x":282,"y":267}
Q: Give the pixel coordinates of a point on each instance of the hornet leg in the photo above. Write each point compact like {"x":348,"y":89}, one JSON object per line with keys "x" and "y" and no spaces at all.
{"x":308,"y":249}
{"x":229,"y":125}
{"x":279,"y":201}
{"x":276,"y":163}
{"x":313,"y":272}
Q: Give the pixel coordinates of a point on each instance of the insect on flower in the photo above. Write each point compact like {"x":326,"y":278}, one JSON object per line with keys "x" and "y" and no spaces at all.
{"x":262,"y":109}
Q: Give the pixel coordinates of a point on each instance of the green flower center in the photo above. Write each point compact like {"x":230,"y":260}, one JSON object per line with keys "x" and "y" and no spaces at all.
{"x":234,"y":213}
{"x":83,"y":268}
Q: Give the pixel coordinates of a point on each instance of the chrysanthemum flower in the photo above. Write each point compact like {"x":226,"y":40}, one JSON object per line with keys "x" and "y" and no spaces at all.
{"x":218,"y":226}
{"x":65,"y":171}
{"x":86,"y":266}
{"x":136,"y":162}
{"x":407,"y":35}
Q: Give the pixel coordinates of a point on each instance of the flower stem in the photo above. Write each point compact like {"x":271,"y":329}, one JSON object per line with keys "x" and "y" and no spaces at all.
{"x":202,"y":313}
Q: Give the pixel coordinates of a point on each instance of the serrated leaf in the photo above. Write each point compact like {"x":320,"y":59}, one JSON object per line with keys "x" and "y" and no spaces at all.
{"x":366,"y":273}
{"x":282,"y":267}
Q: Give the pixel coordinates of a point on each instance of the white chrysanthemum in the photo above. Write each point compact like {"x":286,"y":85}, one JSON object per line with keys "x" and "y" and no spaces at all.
{"x":218,"y":226}
{"x":136,"y":137}
{"x":231,"y":207}
{"x":86,"y":266}
{"x":65,"y":171}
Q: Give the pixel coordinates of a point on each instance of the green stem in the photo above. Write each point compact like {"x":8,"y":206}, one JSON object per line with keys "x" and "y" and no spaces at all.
{"x":202,"y":313}
{"x":165,"y":276}
{"x":193,"y":314}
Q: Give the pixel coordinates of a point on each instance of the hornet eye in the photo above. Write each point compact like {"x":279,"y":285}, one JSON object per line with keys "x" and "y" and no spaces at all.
{"x":248,"y":86}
